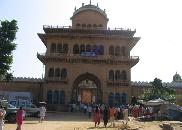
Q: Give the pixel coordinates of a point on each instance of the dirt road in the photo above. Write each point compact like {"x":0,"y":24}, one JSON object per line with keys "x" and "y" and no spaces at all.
{"x":79,"y":121}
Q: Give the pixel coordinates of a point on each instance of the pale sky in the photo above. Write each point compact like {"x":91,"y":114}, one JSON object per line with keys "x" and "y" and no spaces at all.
{"x":157,"y":22}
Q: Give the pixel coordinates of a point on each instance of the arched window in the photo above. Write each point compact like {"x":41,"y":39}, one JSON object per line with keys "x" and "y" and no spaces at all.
{"x":63,"y":73}
{"x":123,"y":75}
{"x":123,"y":51}
{"x":117,"y":75}
{"x":59,"y":48}
{"x":111,"y":75}
{"x":100,"y":25}
{"x":111,"y":99}
{"x":101,"y":50}
{"x":57,"y":72}
{"x":117,"y":52}
{"x":124,"y":98}
{"x":62,"y":97}
{"x":65,"y":48}
{"x":82,"y":48}
{"x":117,"y":99}
{"x":95,"y":26}
{"x":83,"y":25}
{"x":88,"y":48}
{"x":111,"y":50}
{"x":56,"y":97}
{"x":76,"y":49}
{"x":51,"y":72}
{"x":53,"y":48}
{"x":89,"y":25}
{"x":78,"y":25}
{"x":95,"y":49}
{"x":49,"y":97}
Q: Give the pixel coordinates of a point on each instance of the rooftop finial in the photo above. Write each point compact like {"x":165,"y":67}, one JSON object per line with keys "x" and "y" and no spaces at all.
{"x":75,"y":8}
{"x":90,"y":2}
{"x":82,"y":4}
{"x":97,"y":5}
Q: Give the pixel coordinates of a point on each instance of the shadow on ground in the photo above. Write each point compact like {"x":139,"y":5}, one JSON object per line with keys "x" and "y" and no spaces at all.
{"x":63,"y":116}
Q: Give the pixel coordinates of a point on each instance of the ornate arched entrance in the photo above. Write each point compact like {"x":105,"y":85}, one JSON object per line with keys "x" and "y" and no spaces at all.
{"x":86,"y":89}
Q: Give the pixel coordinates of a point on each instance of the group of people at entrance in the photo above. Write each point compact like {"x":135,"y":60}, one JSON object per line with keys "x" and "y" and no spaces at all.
{"x":108,"y":114}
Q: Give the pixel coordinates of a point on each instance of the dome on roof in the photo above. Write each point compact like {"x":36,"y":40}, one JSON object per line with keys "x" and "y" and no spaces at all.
{"x":89,"y":17}
{"x":177,"y":78}
{"x":90,"y":7}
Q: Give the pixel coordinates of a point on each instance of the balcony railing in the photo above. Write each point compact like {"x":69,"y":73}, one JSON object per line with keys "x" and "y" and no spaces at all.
{"x":118,"y":83}
{"x":61,"y":55}
{"x":56,"y":79}
{"x":89,"y":31}
{"x":76,"y":27}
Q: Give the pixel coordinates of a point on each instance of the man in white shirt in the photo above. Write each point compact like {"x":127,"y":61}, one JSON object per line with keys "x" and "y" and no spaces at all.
{"x":125,"y":114}
{"x":151,"y":110}
{"x":42,"y":113}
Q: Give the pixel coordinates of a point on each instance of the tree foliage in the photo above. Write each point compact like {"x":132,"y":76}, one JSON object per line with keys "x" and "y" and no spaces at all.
{"x":8,"y":31}
{"x":157,"y":90}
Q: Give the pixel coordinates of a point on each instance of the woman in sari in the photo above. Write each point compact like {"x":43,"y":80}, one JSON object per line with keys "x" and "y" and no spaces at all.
{"x":19,"y":118}
{"x":97,"y":115}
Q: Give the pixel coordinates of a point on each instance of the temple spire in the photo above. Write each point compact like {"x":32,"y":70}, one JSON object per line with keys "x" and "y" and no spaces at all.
{"x":90,"y":2}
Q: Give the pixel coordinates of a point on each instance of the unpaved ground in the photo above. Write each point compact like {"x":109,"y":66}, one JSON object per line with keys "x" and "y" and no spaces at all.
{"x":78,"y":121}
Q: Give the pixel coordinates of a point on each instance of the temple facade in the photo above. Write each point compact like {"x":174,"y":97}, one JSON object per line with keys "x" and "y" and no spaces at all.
{"x":87,"y":62}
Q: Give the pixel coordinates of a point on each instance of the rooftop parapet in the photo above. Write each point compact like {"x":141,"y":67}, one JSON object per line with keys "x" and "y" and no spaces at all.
{"x":70,"y":27}
{"x":148,"y":84}
{"x":70,"y":30}
{"x":138,"y":83}
{"x":27,"y":79}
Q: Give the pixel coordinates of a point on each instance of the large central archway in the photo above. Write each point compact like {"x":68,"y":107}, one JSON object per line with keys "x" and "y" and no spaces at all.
{"x":86,"y":89}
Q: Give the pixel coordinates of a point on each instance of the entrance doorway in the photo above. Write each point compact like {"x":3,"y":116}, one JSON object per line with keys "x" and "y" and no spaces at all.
{"x":86,"y":89}
{"x":86,"y":96}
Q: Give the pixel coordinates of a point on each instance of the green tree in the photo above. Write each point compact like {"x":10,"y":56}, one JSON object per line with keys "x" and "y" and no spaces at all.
{"x":8,"y":31}
{"x":157,"y":90}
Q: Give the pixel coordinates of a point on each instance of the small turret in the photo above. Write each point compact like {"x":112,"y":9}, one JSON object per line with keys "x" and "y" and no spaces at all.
{"x":177,"y":78}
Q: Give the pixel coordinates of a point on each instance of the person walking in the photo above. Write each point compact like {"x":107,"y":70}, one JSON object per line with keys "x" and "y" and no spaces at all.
{"x":42,"y":113}
{"x":112,"y":112}
{"x":19,"y":118}
{"x":89,"y":110}
{"x":85,"y":109}
{"x":105,"y":116}
{"x":2,"y":115}
{"x":125,"y":114}
{"x":97,"y":115}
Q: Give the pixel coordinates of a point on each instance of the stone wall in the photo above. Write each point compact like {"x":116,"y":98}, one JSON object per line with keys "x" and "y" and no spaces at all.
{"x":24,"y":85}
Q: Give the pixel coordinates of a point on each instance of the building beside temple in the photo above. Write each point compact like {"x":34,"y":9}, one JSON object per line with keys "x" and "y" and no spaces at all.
{"x":84,"y":63}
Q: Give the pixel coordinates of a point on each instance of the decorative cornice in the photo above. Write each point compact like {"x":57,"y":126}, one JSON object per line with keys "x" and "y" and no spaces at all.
{"x":89,"y":60}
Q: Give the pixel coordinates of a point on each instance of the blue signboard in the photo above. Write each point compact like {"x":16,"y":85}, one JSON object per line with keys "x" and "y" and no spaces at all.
{"x":88,"y":54}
